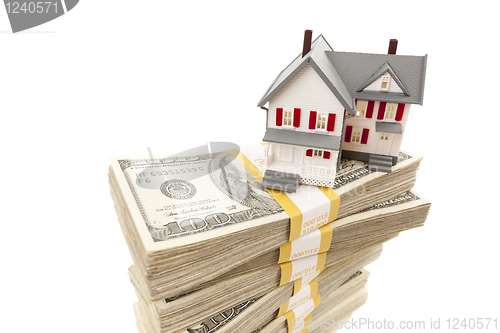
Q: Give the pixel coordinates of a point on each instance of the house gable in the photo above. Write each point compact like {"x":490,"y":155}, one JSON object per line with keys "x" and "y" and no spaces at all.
{"x":360,"y":70}
{"x":394,"y":84}
{"x":377,"y":84}
{"x":318,"y":60}
{"x":308,"y":92}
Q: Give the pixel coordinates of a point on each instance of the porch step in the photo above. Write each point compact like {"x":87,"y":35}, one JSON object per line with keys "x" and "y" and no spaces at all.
{"x":380,"y":163}
{"x":282,"y":181}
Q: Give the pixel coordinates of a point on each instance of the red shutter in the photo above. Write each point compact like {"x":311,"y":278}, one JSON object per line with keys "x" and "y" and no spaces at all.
{"x":331,"y":122}
{"x":369,"y":111}
{"x":399,"y":112}
{"x":309,"y":152}
{"x":279,"y":116}
{"x":312,"y":120}
{"x":326,"y":155}
{"x":364,"y":136}
{"x":348,"y":133}
{"x":296,"y":117}
{"x":381,"y":110}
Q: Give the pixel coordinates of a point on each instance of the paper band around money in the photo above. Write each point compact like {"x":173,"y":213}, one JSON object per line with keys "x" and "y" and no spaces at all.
{"x":304,"y":295}
{"x":302,"y":314}
{"x":309,"y":208}
{"x":304,"y":281}
{"x":296,"y":269}
{"x":314,"y":242}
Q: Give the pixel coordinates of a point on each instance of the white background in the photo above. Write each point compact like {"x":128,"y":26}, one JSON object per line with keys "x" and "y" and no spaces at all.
{"x":115,"y":77}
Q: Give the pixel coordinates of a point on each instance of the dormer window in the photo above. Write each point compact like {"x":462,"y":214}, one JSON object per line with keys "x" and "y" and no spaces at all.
{"x":385,"y":82}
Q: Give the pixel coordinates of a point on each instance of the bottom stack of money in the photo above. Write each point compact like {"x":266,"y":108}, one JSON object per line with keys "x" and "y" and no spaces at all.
{"x":215,"y":252}
{"x":336,"y":307}
{"x":316,"y":292}
{"x":332,"y":296}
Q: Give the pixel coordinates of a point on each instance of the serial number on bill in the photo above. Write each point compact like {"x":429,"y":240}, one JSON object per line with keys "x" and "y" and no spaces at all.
{"x":472,"y":323}
{"x":31,"y":7}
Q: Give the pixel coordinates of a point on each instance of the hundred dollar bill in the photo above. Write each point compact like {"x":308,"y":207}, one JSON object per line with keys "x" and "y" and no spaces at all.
{"x":184,"y":195}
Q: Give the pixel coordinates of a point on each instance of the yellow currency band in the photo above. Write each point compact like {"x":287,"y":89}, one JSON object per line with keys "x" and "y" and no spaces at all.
{"x":314,"y":291}
{"x":290,"y":316}
{"x":284,"y":201}
{"x":326,"y":242}
{"x":287,"y":268}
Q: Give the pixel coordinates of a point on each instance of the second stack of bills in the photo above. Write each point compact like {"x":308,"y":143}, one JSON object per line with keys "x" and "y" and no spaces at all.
{"x":213,"y":251}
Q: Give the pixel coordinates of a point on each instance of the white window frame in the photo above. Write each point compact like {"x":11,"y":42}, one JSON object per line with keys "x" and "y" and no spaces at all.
{"x":384,"y":136}
{"x":357,"y":133}
{"x":321,"y":120}
{"x":317,"y":153}
{"x":290,"y":112}
{"x":361,"y":108}
{"x":387,"y":80}
{"x":390,"y":112}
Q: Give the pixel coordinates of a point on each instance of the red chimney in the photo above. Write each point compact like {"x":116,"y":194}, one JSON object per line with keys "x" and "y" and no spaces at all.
{"x":393,"y":45}
{"x":307,"y":42}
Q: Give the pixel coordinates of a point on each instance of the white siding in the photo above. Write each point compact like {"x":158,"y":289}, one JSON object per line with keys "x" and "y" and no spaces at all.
{"x":301,"y":164}
{"x":359,"y":122}
{"x":375,"y":86}
{"x":396,"y":144}
{"x":308,"y":92}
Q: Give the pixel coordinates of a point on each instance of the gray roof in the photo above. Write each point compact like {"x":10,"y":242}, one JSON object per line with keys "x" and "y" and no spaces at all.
{"x":358,"y":70}
{"x":388,"y":127}
{"x":320,"y":62}
{"x":297,"y":138}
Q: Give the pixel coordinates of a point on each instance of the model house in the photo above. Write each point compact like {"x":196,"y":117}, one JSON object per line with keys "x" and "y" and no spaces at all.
{"x":308,"y":103}
{"x":328,"y":105}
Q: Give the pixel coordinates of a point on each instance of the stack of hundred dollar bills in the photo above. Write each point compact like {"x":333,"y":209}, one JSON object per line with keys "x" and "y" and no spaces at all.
{"x":213,"y":251}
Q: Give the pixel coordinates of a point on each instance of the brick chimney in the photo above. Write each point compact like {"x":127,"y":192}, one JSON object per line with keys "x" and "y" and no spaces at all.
{"x":393,"y":45}
{"x":307,"y":42}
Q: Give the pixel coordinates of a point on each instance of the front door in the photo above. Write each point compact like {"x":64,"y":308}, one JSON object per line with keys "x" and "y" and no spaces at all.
{"x":384,"y":143}
{"x":286,"y":154}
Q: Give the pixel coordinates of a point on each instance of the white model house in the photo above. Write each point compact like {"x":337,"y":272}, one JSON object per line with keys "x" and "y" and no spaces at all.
{"x":326,"y":105}
{"x":305,"y":118}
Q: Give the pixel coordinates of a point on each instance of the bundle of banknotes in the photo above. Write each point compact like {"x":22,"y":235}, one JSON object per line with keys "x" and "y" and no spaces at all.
{"x":213,"y":251}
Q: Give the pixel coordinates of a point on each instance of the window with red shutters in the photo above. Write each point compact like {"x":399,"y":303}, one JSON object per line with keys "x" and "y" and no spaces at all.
{"x":279,"y":116}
